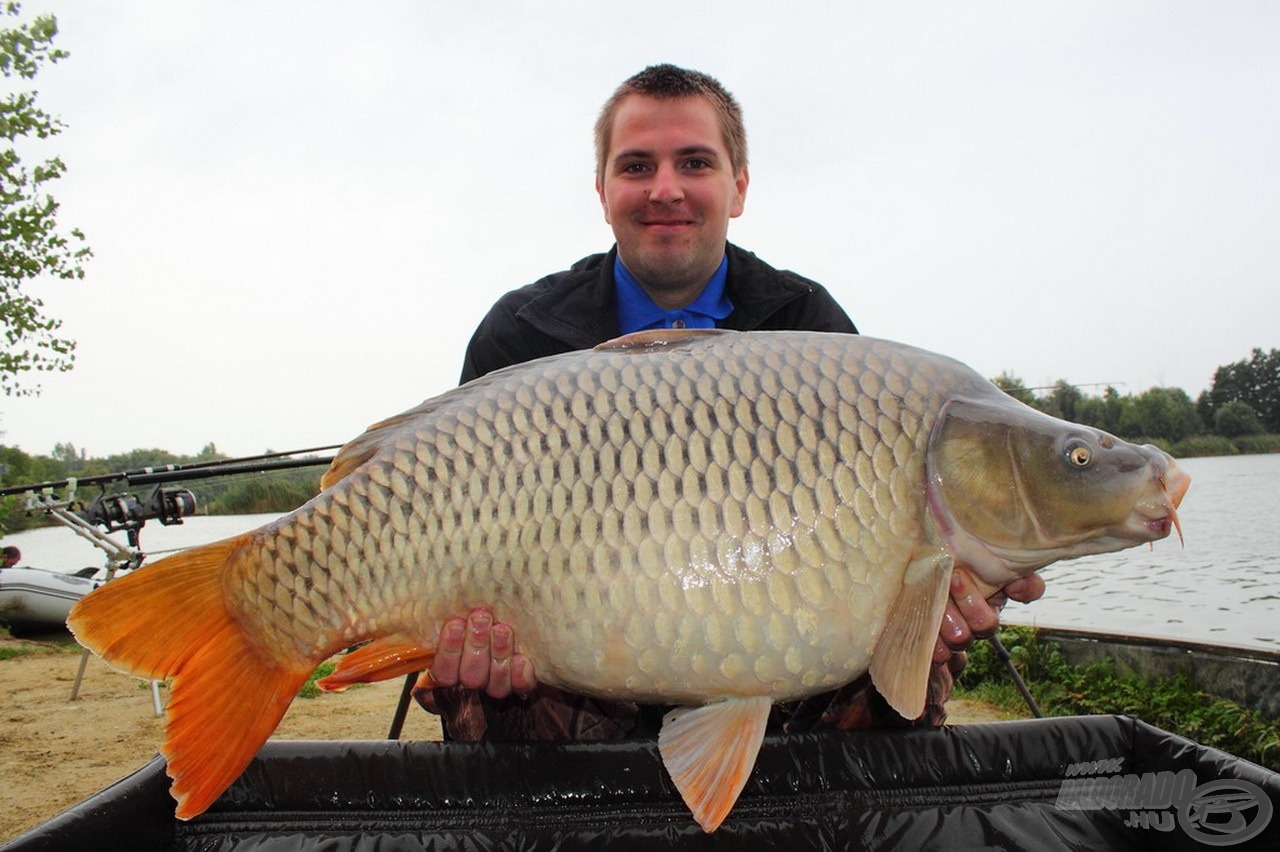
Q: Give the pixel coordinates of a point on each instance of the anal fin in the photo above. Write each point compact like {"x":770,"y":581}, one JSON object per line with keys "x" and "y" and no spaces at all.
{"x":902,"y":657}
{"x":382,"y":659}
{"x":710,"y":751}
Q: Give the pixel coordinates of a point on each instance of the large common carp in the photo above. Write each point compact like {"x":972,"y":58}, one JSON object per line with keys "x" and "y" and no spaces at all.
{"x":713,"y":520}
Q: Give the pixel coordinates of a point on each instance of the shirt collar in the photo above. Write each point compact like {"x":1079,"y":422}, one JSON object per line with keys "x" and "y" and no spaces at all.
{"x":638,"y":312}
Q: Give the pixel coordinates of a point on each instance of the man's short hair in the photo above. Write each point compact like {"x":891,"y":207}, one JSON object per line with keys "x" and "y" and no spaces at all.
{"x":668,"y":82}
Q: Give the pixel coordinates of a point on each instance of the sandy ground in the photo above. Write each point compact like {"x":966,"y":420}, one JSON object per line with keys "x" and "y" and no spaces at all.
{"x":55,"y":752}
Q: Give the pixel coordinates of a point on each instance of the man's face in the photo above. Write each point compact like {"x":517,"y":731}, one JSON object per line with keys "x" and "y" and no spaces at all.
{"x":669,"y":191}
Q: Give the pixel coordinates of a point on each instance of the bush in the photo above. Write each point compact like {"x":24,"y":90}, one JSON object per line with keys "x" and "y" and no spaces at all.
{"x":1062,"y":689}
{"x":1203,"y":445}
{"x":1258,"y":444}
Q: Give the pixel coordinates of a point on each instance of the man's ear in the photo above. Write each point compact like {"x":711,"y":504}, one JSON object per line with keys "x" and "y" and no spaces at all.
{"x":604,"y":203}
{"x":740,"y":182}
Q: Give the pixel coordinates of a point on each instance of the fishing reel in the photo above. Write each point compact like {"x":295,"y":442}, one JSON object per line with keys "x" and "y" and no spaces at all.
{"x":117,"y":512}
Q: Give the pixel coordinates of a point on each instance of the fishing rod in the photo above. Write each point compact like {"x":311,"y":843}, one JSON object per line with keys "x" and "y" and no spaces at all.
{"x":229,"y":470}
{"x":178,"y":472}
{"x":125,"y":512}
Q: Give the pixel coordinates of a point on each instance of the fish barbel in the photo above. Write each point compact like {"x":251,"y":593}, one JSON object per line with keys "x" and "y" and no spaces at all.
{"x":713,"y":520}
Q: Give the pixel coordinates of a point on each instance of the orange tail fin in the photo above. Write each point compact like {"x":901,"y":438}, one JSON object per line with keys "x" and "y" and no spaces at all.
{"x":170,"y":620}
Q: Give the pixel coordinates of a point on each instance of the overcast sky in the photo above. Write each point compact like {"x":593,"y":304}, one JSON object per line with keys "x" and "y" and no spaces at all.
{"x":300,"y":210}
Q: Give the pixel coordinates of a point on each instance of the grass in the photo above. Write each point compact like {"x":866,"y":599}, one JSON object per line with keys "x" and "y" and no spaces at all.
{"x":309,"y":689}
{"x":1063,"y":689}
{"x":1214,"y":445}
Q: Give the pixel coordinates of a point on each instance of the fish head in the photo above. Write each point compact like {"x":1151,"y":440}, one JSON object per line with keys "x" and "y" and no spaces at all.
{"x":1012,"y":489}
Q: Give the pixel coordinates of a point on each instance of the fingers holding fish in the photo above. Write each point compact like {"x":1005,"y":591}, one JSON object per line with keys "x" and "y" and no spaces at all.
{"x":509,"y":672}
{"x":969,"y":616}
{"x":1022,"y":590}
{"x":1025,"y":589}
{"x":479,"y":653}
{"x":445,"y":669}
{"x":476,"y":661}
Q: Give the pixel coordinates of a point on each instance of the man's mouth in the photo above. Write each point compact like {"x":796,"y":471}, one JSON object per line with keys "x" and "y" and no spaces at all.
{"x":666,"y":223}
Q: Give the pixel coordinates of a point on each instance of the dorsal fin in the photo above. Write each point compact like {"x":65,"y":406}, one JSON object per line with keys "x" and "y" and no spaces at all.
{"x":659,"y":337}
{"x":360,"y":449}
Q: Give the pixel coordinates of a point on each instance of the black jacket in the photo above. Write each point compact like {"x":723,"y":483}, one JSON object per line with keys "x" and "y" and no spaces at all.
{"x":574,"y":309}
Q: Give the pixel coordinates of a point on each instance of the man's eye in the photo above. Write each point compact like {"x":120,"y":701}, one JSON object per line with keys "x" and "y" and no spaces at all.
{"x":634,"y":168}
{"x":697,"y":163}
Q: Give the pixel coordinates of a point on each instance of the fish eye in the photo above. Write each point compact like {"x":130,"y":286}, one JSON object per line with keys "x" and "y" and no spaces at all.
{"x":1079,"y":455}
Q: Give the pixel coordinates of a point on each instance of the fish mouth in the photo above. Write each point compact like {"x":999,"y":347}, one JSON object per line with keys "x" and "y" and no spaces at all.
{"x":1157,"y":515}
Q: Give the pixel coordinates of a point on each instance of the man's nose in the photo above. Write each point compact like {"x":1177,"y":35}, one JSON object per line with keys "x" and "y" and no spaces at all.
{"x":666,"y":187}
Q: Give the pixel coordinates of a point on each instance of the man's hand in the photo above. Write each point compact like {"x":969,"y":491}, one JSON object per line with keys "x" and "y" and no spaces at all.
{"x":477,"y":653}
{"x":969,"y":616}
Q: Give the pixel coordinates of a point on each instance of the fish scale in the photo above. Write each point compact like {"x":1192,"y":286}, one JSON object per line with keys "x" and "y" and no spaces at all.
{"x":735,"y":518}
{"x":708,"y":519}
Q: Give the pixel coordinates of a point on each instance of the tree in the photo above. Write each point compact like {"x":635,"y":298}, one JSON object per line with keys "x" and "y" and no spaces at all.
{"x":1012,"y":385}
{"x":32,"y":246}
{"x":1255,"y":382}
{"x":1101,"y":412}
{"x":1166,"y":413}
{"x":209,"y":452}
{"x":1063,"y":401}
{"x":1236,"y":419}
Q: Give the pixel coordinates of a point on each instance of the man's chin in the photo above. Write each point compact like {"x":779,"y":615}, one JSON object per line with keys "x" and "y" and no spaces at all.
{"x":667,"y":279}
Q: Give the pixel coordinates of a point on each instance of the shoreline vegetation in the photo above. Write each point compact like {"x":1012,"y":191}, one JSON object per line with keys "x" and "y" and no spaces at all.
{"x":1215,"y":445}
{"x":1062,"y":688}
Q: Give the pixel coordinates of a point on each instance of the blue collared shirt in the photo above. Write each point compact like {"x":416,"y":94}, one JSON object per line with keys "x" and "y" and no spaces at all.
{"x":637,"y":312}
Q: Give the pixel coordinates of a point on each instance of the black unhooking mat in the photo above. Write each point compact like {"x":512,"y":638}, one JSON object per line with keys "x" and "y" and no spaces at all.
{"x":1074,"y":783}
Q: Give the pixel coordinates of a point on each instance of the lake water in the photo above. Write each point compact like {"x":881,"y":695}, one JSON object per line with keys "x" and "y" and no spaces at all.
{"x":1223,"y":587}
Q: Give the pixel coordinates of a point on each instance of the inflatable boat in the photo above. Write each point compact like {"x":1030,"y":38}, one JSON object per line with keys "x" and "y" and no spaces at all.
{"x":32,"y":598}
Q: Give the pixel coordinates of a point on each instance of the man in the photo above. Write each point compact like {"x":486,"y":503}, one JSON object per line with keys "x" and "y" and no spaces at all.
{"x":10,"y":557}
{"x":671,"y":172}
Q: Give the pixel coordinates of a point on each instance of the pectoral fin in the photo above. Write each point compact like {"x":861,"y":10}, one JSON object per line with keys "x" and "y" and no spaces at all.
{"x":709,"y":752}
{"x":382,"y":659}
{"x":900,"y":663}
